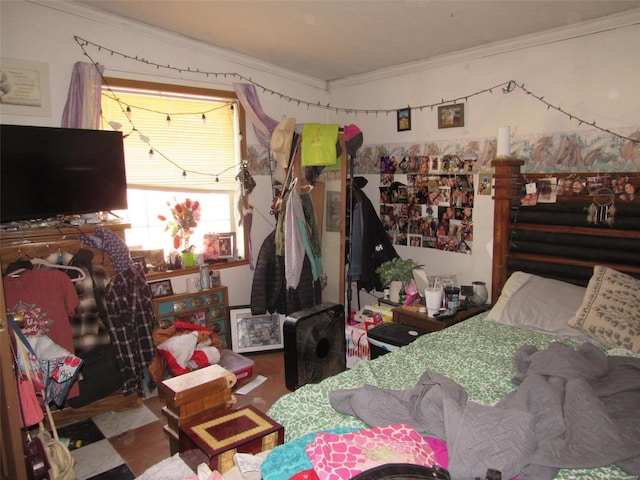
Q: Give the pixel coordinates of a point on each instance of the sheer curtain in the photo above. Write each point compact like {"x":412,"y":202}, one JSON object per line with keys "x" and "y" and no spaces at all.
{"x":82,"y":109}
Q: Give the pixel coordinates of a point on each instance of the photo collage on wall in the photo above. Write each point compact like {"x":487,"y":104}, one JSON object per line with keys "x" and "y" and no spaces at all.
{"x":605,"y":191}
{"x":434,"y":209}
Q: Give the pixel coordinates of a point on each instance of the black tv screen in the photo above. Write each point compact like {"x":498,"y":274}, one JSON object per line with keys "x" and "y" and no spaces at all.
{"x":46,"y":172}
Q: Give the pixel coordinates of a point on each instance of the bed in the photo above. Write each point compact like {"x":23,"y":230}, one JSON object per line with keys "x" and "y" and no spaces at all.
{"x":539,"y":286}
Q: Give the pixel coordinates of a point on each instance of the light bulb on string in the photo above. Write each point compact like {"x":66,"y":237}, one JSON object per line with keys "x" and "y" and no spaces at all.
{"x":204,"y":118}
{"x":129,"y":111}
{"x":115,"y":125}
{"x":150,"y":153}
{"x":168,"y":119}
{"x":184,"y":174}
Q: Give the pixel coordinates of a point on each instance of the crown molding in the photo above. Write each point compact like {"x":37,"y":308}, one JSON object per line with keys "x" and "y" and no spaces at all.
{"x":610,"y":22}
{"x":138,"y":28}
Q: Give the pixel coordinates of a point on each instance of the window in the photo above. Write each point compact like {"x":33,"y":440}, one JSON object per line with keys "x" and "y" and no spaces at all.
{"x":180,"y":142}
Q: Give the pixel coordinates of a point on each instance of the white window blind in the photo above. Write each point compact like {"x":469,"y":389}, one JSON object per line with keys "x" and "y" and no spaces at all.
{"x":189,"y":152}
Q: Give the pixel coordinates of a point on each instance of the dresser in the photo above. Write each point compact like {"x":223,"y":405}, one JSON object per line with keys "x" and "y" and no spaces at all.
{"x":208,"y":308}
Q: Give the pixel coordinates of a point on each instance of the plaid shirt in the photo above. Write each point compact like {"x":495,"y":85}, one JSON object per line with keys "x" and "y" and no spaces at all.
{"x":131,"y":322}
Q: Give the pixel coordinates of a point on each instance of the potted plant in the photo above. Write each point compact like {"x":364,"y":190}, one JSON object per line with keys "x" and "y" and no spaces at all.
{"x":396,"y":273}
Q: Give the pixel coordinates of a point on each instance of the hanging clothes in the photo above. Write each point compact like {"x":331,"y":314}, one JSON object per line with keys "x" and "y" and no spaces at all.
{"x":309,"y":229}
{"x":131,"y":321}
{"x":46,"y":299}
{"x":106,"y":240}
{"x":88,"y":324}
{"x":267,"y":289}
{"x":370,"y":244}
{"x":294,"y":251}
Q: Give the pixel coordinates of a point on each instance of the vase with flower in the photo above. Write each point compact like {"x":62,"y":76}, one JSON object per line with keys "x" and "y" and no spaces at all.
{"x":186,"y":215}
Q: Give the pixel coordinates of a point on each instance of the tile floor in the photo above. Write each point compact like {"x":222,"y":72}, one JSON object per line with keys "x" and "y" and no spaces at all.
{"x":122,"y":445}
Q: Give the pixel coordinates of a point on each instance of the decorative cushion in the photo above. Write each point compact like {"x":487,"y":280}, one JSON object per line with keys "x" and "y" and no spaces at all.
{"x":610,"y":310}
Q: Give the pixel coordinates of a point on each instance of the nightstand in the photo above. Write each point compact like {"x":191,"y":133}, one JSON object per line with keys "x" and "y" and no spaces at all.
{"x":414,"y":318}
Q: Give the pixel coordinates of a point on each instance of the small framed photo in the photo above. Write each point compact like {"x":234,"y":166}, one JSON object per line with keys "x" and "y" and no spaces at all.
{"x":404,"y":119}
{"x":451,"y":116}
{"x":255,"y":333}
{"x":226,"y":245}
{"x":161,"y":288}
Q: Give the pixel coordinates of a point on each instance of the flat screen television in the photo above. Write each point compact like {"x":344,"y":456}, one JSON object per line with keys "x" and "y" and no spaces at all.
{"x":46,"y":172}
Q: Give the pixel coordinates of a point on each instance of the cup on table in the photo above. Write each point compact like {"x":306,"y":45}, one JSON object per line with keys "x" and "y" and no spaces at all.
{"x":433,"y":300}
{"x":193,"y":285}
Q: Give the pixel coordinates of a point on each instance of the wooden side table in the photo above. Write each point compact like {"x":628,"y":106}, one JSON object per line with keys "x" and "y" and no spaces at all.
{"x":422,"y":320}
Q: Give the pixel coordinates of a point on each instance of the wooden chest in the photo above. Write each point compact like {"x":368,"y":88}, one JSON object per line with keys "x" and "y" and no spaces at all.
{"x":193,"y":397}
{"x":198,"y":390}
{"x":216,"y":440}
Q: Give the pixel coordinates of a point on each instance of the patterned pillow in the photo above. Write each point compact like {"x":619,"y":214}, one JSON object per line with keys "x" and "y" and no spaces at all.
{"x":610,"y":310}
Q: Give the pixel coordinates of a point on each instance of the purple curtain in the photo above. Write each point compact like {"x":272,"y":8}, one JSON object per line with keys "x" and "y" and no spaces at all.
{"x":82,"y":109}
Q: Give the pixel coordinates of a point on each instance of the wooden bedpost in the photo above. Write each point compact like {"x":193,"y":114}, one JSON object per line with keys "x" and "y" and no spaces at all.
{"x":507,"y":186}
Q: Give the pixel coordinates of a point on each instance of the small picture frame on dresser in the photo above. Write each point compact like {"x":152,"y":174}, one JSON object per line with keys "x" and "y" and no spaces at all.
{"x":161,"y":288}
{"x":255,"y":333}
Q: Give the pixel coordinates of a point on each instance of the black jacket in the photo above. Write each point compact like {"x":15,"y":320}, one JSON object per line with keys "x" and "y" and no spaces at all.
{"x":268,"y":291}
{"x":370,"y":244}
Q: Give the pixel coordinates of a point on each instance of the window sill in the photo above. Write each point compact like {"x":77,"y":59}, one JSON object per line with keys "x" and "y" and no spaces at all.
{"x":189,"y":271}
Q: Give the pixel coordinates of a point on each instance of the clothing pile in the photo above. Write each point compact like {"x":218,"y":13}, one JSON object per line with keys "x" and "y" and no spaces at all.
{"x":183,"y":347}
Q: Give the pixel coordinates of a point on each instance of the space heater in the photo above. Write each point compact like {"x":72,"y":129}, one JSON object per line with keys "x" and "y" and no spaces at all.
{"x":314,"y":344}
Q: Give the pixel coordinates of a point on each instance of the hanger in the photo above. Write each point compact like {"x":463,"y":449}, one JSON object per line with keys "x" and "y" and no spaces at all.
{"x":18,"y":266}
{"x":42,"y":262}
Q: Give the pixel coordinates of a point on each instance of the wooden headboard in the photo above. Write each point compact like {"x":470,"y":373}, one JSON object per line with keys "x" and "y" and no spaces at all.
{"x":564,"y":239}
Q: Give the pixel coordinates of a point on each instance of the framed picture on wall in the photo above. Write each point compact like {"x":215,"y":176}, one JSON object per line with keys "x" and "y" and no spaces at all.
{"x":404,"y":119}
{"x":255,"y":333}
{"x":451,"y":116}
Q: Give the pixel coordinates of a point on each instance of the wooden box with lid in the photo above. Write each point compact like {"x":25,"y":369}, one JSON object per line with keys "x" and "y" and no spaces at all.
{"x":194,"y":396}
{"x":216,"y":440}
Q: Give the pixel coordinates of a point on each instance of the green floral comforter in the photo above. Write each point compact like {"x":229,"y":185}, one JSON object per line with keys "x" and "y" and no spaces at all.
{"x":477,"y":353}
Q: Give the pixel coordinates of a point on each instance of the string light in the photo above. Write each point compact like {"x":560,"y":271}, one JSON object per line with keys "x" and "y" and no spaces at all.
{"x":507,"y":87}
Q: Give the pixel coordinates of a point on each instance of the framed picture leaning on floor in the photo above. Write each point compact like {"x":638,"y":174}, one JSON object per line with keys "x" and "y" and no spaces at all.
{"x":255,"y":333}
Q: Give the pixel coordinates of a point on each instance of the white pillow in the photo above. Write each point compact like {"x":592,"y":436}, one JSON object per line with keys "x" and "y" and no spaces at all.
{"x":513,"y":283}
{"x":540,"y":304}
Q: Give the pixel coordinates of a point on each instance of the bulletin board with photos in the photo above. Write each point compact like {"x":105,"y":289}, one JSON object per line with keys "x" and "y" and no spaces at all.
{"x":434,"y":209}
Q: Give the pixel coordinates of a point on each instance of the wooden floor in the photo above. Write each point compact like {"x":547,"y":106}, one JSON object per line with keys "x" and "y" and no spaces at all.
{"x":147,"y":445}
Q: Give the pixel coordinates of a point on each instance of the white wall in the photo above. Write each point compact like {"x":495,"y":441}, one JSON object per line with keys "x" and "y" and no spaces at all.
{"x":593,"y":75}
{"x":45,"y":33}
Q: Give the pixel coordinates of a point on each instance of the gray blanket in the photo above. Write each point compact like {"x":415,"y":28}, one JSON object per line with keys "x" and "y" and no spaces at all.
{"x":572,"y":409}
